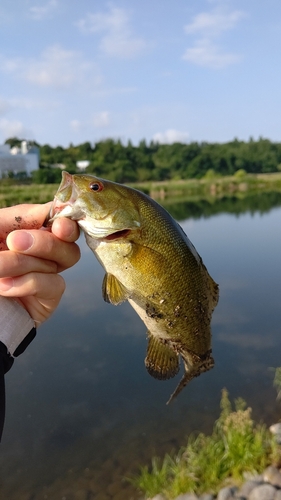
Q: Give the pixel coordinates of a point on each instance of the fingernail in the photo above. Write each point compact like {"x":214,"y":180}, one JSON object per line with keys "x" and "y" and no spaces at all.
{"x":20,"y":240}
{"x":6,"y":284}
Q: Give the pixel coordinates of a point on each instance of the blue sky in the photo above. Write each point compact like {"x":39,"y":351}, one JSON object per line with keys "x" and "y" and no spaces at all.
{"x":168,"y":70}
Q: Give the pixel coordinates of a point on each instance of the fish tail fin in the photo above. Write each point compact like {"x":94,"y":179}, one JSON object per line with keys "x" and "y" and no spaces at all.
{"x":193,"y":370}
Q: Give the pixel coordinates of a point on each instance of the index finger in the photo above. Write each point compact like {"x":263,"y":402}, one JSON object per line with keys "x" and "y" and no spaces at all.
{"x":44,"y":245}
{"x":23,"y":216}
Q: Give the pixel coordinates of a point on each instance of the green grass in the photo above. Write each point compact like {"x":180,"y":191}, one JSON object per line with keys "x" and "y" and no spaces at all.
{"x":13,"y":194}
{"x":237,"y":445}
{"x":211,"y":187}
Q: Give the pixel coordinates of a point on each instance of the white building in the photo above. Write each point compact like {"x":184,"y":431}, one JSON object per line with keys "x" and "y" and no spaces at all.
{"x":23,"y":159}
{"x":82,"y":164}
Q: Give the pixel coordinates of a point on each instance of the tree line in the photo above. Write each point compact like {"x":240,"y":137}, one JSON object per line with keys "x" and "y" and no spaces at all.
{"x":156,"y":162}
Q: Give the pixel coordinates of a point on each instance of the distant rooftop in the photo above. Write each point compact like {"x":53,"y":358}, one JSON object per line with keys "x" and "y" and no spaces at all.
{"x":18,"y":159}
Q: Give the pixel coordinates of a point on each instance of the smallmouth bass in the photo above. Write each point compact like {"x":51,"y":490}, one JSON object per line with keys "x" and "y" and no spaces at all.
{"x":150,"y":262}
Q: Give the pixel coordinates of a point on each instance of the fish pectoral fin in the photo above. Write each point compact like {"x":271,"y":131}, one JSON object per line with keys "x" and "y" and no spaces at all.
{"x":113,"y":291}
{"x":194,"y":365}
{"x":161,"y":361}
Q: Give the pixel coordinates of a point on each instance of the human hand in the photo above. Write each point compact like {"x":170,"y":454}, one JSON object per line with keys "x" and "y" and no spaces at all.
{"x":31,"y":259}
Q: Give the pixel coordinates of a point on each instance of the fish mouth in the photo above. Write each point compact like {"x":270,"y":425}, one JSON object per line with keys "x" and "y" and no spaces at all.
{"x":60,"y":209}
{"x":64,"y":203}
{"x":117,"y":235}
{"x":57,"y":210}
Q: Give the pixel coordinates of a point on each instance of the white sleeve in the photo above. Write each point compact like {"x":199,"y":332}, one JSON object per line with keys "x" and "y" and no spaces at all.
{"x":15,"y":323}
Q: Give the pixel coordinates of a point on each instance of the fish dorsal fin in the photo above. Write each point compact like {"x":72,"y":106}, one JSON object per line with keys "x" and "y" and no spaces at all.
{"x":113,"y":291}
{"x":161,"y":361}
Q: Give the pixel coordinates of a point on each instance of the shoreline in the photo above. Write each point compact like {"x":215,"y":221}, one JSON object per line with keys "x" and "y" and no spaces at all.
{"x":13,"y":192}
{"x":265,"y":486}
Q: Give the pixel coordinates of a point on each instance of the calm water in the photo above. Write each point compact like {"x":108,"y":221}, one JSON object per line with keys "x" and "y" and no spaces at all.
{"x":82,"y":412}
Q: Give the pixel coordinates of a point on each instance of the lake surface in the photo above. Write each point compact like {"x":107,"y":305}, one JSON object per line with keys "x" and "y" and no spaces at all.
{"x":83,"y":413}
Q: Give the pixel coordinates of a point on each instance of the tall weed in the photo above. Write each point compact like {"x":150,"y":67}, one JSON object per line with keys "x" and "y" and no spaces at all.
{"x":236,"y":446}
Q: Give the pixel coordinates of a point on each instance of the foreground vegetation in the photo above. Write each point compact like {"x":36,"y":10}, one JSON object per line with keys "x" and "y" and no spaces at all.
{"x":207,"y":463}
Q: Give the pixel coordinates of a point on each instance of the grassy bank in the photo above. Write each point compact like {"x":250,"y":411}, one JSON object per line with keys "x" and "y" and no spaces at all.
{"x":207,"y":463}
{"x":210,"y":187}
{"x":13,"y":194}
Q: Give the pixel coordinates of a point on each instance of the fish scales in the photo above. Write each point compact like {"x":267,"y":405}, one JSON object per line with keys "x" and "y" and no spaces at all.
{"x":150,"y":262}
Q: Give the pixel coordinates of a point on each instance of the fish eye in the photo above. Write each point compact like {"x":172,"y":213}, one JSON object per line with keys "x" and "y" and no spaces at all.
{"x":96,"y":186}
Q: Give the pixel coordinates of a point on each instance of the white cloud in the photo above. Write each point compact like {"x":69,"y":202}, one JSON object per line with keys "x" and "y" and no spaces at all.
{"x":76,"y":125}
{"x":57,"y":67}
{"x":208,"y":27}
{"x":9,"y":65}
{"x":14,"y":128}
{"x":206,"y":53}
{"x":213,"y":23}
{"x":116,"y":20}
{"x":118,"y":39}
{"x":54,"y":69}
{"x":38,"y":13}
{"x":98,"y":120}
{"x":16,"y":103}
{"x":101,"y":119}
{"x":248,"y":339}
{"x":170,"y":136}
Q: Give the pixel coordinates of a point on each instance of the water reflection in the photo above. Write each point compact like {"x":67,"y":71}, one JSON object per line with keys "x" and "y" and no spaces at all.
{"x":236,"y":204}
{"x":82,"y":412}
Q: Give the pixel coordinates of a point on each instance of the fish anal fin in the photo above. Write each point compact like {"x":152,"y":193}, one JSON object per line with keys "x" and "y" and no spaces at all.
{"x":194,"y":365}
{"x":161,"y":361}
{"x":113,"y":291}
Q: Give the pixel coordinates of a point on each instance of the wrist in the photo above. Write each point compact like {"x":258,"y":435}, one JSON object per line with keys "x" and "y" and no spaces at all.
{"x":16,"y":324}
